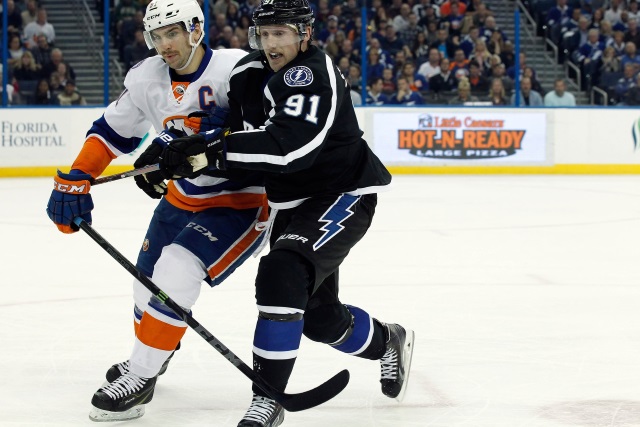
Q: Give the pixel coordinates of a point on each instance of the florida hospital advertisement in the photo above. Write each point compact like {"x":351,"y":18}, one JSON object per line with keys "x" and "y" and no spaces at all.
{"x":460,"y":138}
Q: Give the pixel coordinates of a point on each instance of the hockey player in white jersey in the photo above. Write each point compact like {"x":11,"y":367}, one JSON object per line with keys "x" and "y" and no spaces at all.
{"x":202,"y":229}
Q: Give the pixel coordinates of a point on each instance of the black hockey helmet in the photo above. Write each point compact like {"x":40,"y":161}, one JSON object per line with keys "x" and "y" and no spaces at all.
{"x":294,"y":13}
{"x":279,"y":12}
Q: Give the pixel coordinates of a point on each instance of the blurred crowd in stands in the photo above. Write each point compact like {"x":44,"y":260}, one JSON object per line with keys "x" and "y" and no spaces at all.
{"x":417,"y":51}
{"x":38,"y":73}
{"x":600,"y":37}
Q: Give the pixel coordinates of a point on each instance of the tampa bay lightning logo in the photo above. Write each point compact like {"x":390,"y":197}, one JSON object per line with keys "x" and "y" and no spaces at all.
{"x":298,"y":76}
{"x":333,"y":218}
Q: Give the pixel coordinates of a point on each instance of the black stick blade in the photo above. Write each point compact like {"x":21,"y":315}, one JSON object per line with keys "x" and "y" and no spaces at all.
{"x":316,"y":396}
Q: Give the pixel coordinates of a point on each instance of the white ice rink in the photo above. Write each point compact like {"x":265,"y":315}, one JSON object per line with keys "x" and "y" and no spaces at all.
{"x":523,"y":291}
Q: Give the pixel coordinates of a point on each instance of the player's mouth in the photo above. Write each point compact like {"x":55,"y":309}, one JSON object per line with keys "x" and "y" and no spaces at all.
{"x":170,"y":56}
{"x":275,"y":56}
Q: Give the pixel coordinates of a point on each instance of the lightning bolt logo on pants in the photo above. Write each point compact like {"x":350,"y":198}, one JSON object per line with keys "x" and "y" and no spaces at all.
{"x":334,"y":217}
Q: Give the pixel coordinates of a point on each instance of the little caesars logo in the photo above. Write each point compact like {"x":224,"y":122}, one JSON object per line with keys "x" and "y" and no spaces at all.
{"x":460,"y":138}
{"x":30,"y":134}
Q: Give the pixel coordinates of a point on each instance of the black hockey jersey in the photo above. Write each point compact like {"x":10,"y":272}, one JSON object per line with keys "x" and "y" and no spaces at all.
{"x":300,"y":128}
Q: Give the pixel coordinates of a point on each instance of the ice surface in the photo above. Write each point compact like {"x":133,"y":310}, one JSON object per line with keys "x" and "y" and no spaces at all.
{"x":523,"y":291}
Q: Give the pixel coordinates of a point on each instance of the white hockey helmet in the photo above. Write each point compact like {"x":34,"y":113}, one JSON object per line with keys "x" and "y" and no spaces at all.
{"x":161,"y":13}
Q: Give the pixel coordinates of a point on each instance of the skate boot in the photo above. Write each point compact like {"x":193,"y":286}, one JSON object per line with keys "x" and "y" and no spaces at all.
{"x":123,"y":399}
{"x":263,"y":412}
{"x":122,"y":368}
{"x":396,"y":362}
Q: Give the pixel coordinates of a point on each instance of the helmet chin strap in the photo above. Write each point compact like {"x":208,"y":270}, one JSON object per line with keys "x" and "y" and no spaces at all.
{"x":194,"y":46}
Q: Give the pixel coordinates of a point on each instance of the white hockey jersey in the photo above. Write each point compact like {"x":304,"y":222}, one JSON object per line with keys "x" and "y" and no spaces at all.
{"x":156,"y":96}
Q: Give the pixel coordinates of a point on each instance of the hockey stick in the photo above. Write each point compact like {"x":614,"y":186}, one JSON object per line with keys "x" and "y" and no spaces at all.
{"x":127,"y":174}
{"x":290,"y":402}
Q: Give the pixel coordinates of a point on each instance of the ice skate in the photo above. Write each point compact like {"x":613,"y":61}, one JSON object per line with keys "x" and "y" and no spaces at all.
{"x":263,"y":412}
{"x":396,"y":362}
{"x":123,"y":399}
{"x":119,"y":369}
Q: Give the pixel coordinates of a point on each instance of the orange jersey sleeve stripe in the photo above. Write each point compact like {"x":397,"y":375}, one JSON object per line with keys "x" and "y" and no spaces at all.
{"x":94,"y":157}
{"x":157,"y":334}
{"x":231,"y":256}
{"x":234,"y":200}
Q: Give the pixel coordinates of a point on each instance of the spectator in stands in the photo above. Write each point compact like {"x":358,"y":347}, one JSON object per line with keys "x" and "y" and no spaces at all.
{"x":405,"y":95}
{"x":444,"y":44}
{"x":496,"y":45}
{"x":401,"y":21}
{"x":511,"y":71}
{"x":460,"y":65}
{"x":497,"y":93}
{"x":136,"y":51}
{"x":481,"y":15}
{"x":70,"y":96}
{"x":346,"y":49}
{"x":479,"y":83}
{"x":626,"y":82}
{"x":432,"y":66}
{"x":42,"y":51}
{"x":632,"y":34}
{"x":332,"y":48}
{"x":597,"y":17}
{"x":57,"y":58}
{"x":614,"y":12}
{"x":468,"y":43}
{"x":483,"y":57}
{"x":632,"y":97}
{"x":38,"y":27}
{"x":610,"y":61}
{"x":326,"y":35}
{"x":27,"y":69}
{"x":606,"y":31}
{"x":247,"y":7}
{"x":445,"y":80}
{"x":574,"y":38}
{"x":528,"y":96}
{"x":375,"y":96}
{"x":535,"y":83}
{"x":507,"y":55}
{"x":416,"y":81}
{"x":464,"y":93}
{"x":42,"y":95}
{"x":421,"y":47}
{"x":491,"y":27}
{"x":14,"y":19}
{"x":559,"y":97}
{"x":221,"y":6}
{"x":55,"y":84}
{"x":398,"y":62}
{"x":632,"y":11}
{"x":388,"y":82}
{"x":355,"y":77}
{"x":11,"y":90}
{"x":391,"y":42}
{"x":394,"y":9}
{"x":557,"y":17}
{"x":30,"y":14}
{"x":128,"y":31}
{"x":631,"y":56}
{"x":224,"y":40}
{"x":617,"y":42}
{"x":445,"y":8}
{"x":498,"y":71}
{"x":215,"y":30}
{"x":233,"y":15}
{"x":453,"y":21}
{"x":374,"y":67}
{"x":16,"y":50}
{"x":409,"y":35}
{"x":425,"y":8}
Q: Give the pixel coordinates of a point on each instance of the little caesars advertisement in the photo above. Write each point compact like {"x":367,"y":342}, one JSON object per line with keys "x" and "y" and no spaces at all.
{"x":460,"y":138}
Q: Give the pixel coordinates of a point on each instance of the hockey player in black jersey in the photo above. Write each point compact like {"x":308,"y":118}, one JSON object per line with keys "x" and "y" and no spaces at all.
{"x":321,"y":181}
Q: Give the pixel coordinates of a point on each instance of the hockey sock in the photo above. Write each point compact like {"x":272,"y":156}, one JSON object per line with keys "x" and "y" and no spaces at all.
{"x":158,"y":335}
{"x":365,"y":337}
{"x":137,"y":316}
{"x":275,"y":347}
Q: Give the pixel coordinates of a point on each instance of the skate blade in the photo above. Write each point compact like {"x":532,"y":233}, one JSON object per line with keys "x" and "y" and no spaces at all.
{"x":407,"y":354}
{"x":100,"y":415}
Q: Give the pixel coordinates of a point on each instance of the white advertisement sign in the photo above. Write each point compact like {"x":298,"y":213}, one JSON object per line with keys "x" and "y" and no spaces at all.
{"x":460,"y":137}
{"x":47,"y":136}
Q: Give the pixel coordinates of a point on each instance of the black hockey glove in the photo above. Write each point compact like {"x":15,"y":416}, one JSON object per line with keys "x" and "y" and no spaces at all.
{"x":193,"y":155}
{"x":152,"y":183}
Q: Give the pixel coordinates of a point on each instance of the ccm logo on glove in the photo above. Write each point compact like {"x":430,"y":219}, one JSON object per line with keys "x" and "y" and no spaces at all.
{"x":71,"y":187}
